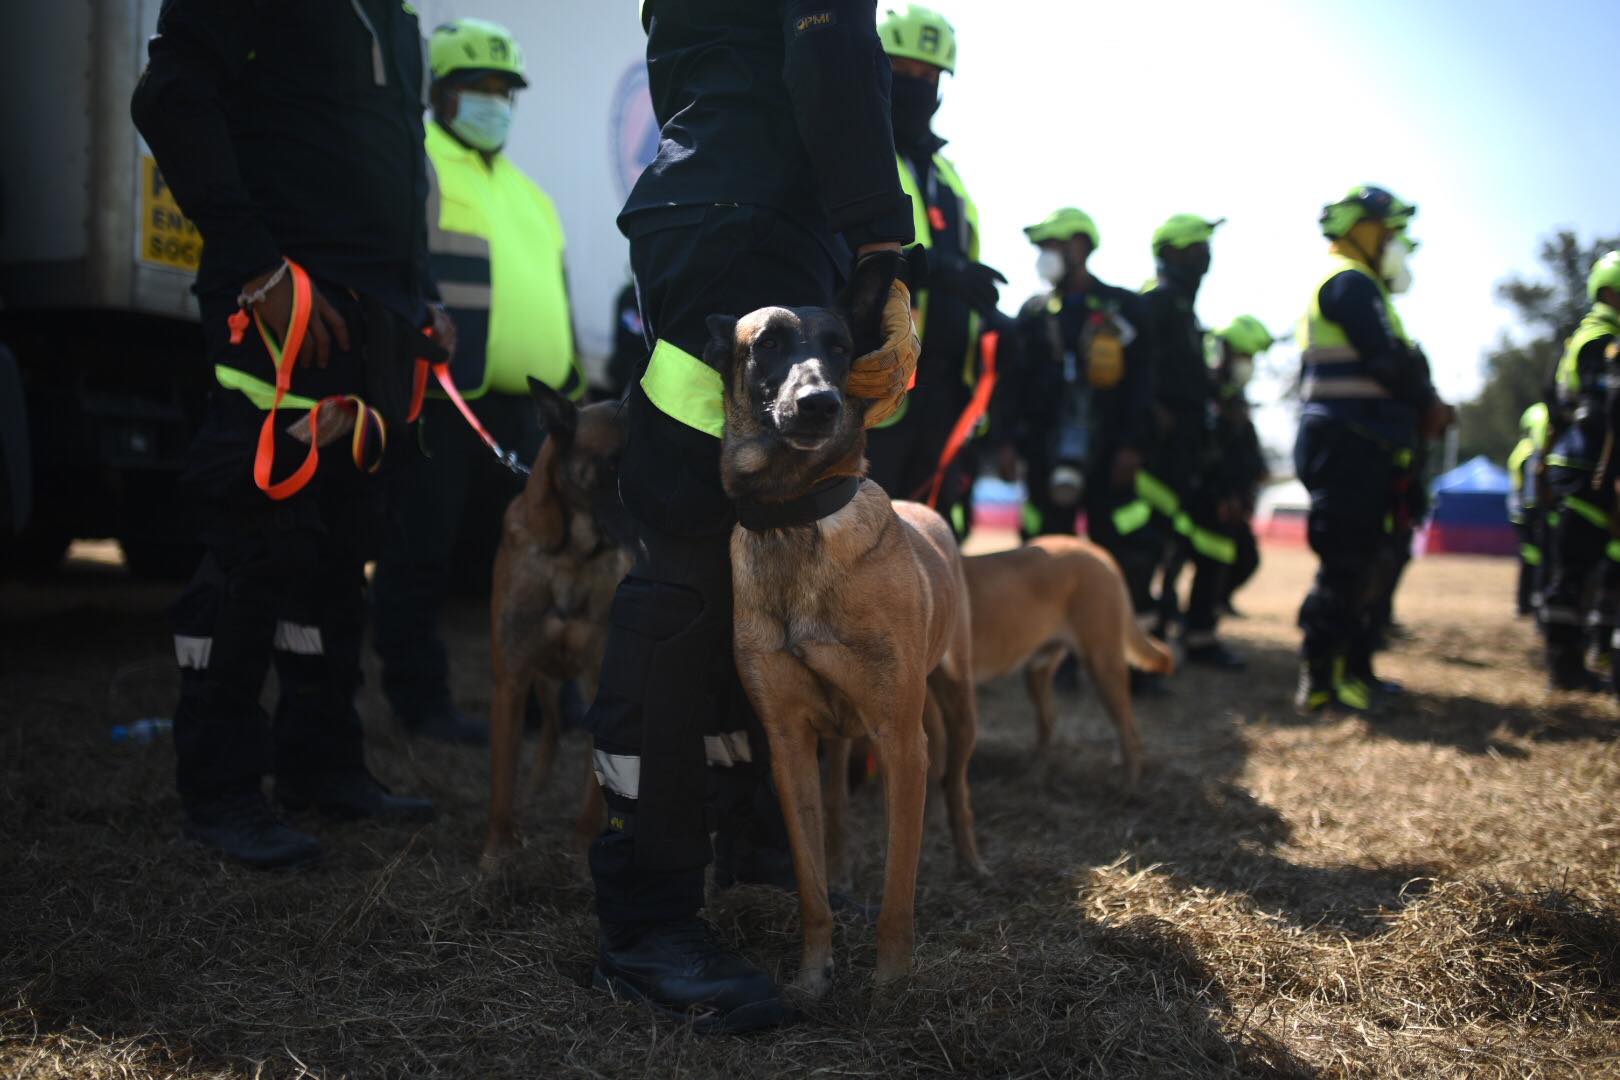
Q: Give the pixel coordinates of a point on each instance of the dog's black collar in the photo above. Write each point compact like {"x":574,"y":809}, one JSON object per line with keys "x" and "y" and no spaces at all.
{"x":823,"y":500}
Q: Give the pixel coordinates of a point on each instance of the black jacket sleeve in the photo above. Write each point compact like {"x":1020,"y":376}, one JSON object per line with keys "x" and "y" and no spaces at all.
{"x":1136,"y":389}
{"x":200,"y":47}
{"x":837,"y":76}
{"x":1354,"y":302}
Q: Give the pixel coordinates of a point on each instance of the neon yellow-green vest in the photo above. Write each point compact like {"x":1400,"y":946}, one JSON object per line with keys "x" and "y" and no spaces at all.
{"x":496,"y":247}
{"x":1601,"y":321}
{"x":1332,"y":370}
{"x":925,"y":237}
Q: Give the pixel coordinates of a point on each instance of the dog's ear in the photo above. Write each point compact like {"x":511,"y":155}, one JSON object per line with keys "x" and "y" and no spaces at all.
{"x":863,"y":298}
{"x":722,"y":346}
{"x":558,"y":416}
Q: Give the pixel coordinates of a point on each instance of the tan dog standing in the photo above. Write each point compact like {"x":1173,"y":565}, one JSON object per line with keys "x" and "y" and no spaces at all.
{"x":850,"y":610}
{"x":560,"y":559}
{"x":1032,"y":605}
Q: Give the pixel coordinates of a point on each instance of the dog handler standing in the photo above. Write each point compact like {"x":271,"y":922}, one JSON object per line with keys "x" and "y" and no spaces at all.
{"x":1580,"y":468}
{"x":775,"y":171}
{"x":1240,"y":464}
{"x":291,"y":134}
{"x":959,"y":302}
{"x":1078,"y":406}
{"x":1367,"y":399}
{"x":495,"y":245}
{"x":1185,"y":454}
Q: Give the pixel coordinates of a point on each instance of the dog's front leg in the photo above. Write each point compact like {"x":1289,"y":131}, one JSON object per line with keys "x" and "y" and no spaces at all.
{"x":793,"y":764}
{"x":903,"y":756}
{"x":835,"y":800}
{"x":505,"y":740}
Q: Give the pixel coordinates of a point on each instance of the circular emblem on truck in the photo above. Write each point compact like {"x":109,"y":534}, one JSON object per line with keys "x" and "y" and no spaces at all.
{"x":634,"y":129}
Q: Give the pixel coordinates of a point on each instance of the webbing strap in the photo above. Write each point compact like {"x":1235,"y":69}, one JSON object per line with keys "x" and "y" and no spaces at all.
{"x":1214,"y":546}
{"x":686,"y":389}
{"x":369,"y":428}
{"x":1157,"y":494}
{"x":1132,"y":516}
{"x":971,"y":415}
{"x":1586,"y":510}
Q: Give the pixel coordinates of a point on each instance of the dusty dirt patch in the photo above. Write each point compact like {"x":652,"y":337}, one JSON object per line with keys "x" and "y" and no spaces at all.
{"x":1434,"y":892}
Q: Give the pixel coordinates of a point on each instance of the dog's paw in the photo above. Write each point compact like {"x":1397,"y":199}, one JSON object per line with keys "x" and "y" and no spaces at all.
{"x":811,"y":983}
{"x":974,"y":871}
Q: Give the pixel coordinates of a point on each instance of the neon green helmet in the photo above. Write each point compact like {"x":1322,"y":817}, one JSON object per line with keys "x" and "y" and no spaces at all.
{"x":1605,"y":275}
{"x":1062,"y":225}
{"x":1185,"y":230}
{"x":1247,"y":335}
{"x":1365,"y":203}
{"x":475,"y":45}
{"x":918,"y":33}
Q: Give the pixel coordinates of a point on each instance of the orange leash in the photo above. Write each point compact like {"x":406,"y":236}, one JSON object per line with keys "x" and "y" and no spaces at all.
{"x":369,"y":429}
{"x":977,"y":405}
{"x":447,"y":383}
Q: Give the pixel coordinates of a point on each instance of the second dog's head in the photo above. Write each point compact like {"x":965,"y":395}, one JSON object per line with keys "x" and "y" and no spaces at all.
{"x":790,"y":420}
{"x":577,"y":471}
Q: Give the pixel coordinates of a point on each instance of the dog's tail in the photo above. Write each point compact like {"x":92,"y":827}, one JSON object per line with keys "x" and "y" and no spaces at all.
{"x":1142,"y":649}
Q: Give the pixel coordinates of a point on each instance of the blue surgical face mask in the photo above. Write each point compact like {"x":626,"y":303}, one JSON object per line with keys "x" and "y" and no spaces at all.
{"x":482,"y":120}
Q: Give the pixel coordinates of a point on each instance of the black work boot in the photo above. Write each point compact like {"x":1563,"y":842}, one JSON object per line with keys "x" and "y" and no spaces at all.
{"x":682,"y":973}
{"x":1216,"y":655}
{"x":1566,"y":662}
{"x":349,"y":795}
{"x":243,"y":826}
{"x":1315,"y":696}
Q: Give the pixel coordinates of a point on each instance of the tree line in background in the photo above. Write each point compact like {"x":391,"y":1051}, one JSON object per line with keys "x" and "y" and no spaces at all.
{"x":1518,"y":374}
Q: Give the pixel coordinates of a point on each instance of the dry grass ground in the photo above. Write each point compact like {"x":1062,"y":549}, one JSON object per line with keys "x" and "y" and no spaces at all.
{"x":1431,"y":893}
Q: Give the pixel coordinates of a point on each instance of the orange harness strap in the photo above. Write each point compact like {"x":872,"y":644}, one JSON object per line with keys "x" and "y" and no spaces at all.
{"x":370,"y":439}
{"x":971,"y":415}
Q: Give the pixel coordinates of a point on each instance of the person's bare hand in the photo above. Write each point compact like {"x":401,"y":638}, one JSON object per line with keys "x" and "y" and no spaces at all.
{"x":444,"y":328}
{"x":325,"y":324}
{"x":1007,"y":462}
{"x":1127,"y":463}
{"x":1439,"y":417}
{"x":334,"y":425}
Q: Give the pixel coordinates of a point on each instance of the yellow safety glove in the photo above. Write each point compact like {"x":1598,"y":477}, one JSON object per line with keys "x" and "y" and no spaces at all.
{"x":883,"y":375}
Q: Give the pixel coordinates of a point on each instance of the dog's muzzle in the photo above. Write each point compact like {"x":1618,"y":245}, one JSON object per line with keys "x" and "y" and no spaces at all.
{"x":810,"y":416}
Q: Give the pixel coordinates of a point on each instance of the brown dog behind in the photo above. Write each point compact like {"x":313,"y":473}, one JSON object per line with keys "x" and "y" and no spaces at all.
{"x":560,"y":559}
{"x":1034,"y":604}
{"x":846,"y":625}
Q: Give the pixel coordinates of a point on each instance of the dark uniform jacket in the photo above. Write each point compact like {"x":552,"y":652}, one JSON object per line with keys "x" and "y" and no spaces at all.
{"x":1352,"y":300}
{"x":778,"y":95}
{"x":1182,"y":387}
{"x":294,"y":128}
{"x":1031,"y":403}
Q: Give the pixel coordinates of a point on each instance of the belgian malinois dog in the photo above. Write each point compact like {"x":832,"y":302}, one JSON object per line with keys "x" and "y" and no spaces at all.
{"x":563,"y":551}
{"x":847,"y":622}
{"x":1035,"y":604}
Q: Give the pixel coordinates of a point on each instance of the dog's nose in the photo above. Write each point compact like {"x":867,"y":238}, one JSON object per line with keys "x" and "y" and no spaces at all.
{"x":817,"y":405}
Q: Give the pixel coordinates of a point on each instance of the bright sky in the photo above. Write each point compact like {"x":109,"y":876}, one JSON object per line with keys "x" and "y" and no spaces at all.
{"x":1494,"y":116}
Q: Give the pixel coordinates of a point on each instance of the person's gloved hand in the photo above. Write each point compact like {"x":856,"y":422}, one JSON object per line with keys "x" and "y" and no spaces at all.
{"x":878,"y":305}
{"x":975,"y":284}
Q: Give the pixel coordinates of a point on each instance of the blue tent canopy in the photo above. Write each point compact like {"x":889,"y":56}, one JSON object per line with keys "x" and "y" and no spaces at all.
{"x":1479,"y":475}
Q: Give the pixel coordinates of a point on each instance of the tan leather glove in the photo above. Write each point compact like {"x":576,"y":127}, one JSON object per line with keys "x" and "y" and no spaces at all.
{"x":884,"y":375}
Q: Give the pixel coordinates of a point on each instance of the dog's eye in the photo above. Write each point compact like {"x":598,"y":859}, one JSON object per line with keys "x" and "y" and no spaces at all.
{"x":765,"y":344}
{"x":839,"y":348}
